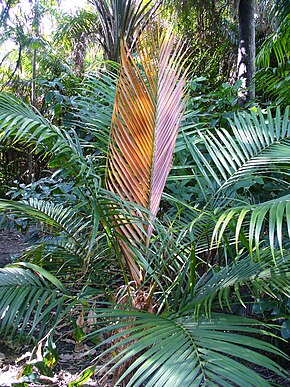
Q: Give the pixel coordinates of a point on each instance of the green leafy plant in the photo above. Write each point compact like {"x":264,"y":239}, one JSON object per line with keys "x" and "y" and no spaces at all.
{"x":175,"y":324}
{"x":177,"y":348}
{"x":272,"y":78}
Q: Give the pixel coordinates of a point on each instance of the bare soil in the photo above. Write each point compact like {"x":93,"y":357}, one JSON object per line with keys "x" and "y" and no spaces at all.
{"x":72,"y":360}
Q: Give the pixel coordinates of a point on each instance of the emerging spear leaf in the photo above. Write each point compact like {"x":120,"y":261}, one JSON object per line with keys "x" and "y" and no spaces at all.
{"x":147,"y":113}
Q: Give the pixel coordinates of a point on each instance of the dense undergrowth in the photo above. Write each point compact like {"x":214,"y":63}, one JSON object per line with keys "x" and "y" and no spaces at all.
{"x":183,"y":283}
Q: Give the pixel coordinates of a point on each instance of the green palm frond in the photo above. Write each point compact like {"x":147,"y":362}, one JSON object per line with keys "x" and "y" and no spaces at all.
{"x":226,"y":283}
{"x":70,"y":239}
{"x":30,"y":298}
{"x":269,"y":217}
{"x":58,"y":254}
{"x":93,"y":109}
{"x":67,"y":222}
{"x":174,"y":350}
{"x":63,"y":258}
{"x":55,"y":215}
{"x":276,"y":44}
{"x":22,"y":124}
{"x":275,"y":83}
{"x":78,"y":236}
{"x":258,"y":146}
{"x":82,"y":25}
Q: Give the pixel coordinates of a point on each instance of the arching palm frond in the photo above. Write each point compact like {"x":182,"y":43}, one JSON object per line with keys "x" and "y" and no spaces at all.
{"x":30,"y":298}
{"x":272,"y":77}
{"x":22,"y":124}
{"x":274,"y":83}
{"x":56,"y":218}
{"x":93,"y":109}
{"x":56,"y":215}
{"x":224,"y":284}
{"x":270,"y":216}
{"x":259,"y":144}
{"x":194,"y":223}
{"x":86,"y":264}
{"x":74,"y":237}
{"x":276,"y":44}
{"x":175,"y":349}
{"x":221,"y":161}
{"x":82,"y":25}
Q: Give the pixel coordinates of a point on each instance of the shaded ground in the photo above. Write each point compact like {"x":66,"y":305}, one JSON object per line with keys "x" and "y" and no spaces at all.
{"x":11,"y":242}
{"x":72,"y":360}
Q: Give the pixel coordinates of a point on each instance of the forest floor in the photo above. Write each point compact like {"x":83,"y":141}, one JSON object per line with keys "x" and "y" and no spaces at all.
{"x":73,"y":357}
{"x":11,"y":242}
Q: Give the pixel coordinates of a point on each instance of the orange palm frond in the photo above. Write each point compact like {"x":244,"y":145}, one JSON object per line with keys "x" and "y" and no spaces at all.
{"x":147,"y":113}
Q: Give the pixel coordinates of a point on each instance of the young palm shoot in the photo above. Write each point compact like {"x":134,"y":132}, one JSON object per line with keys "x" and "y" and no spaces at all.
{"x":147,"y":113}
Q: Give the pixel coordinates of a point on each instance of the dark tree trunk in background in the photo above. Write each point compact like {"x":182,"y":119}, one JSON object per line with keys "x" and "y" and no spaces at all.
{"x":246,"y":54}
{"x":35,"y":30}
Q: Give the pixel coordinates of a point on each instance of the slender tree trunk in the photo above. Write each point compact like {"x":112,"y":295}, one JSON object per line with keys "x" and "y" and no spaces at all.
{"x":35,"y":28}
{"x":33,"y":91}
{"x":246,"y":53}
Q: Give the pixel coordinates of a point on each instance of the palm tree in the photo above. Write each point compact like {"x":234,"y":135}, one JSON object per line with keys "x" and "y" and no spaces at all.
{"x":208,"y":260}
{"x":122,"y":20}
{"x":76,"y":33}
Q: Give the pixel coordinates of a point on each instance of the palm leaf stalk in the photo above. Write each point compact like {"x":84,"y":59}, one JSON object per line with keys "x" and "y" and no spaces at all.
{"x":146,"y":118}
